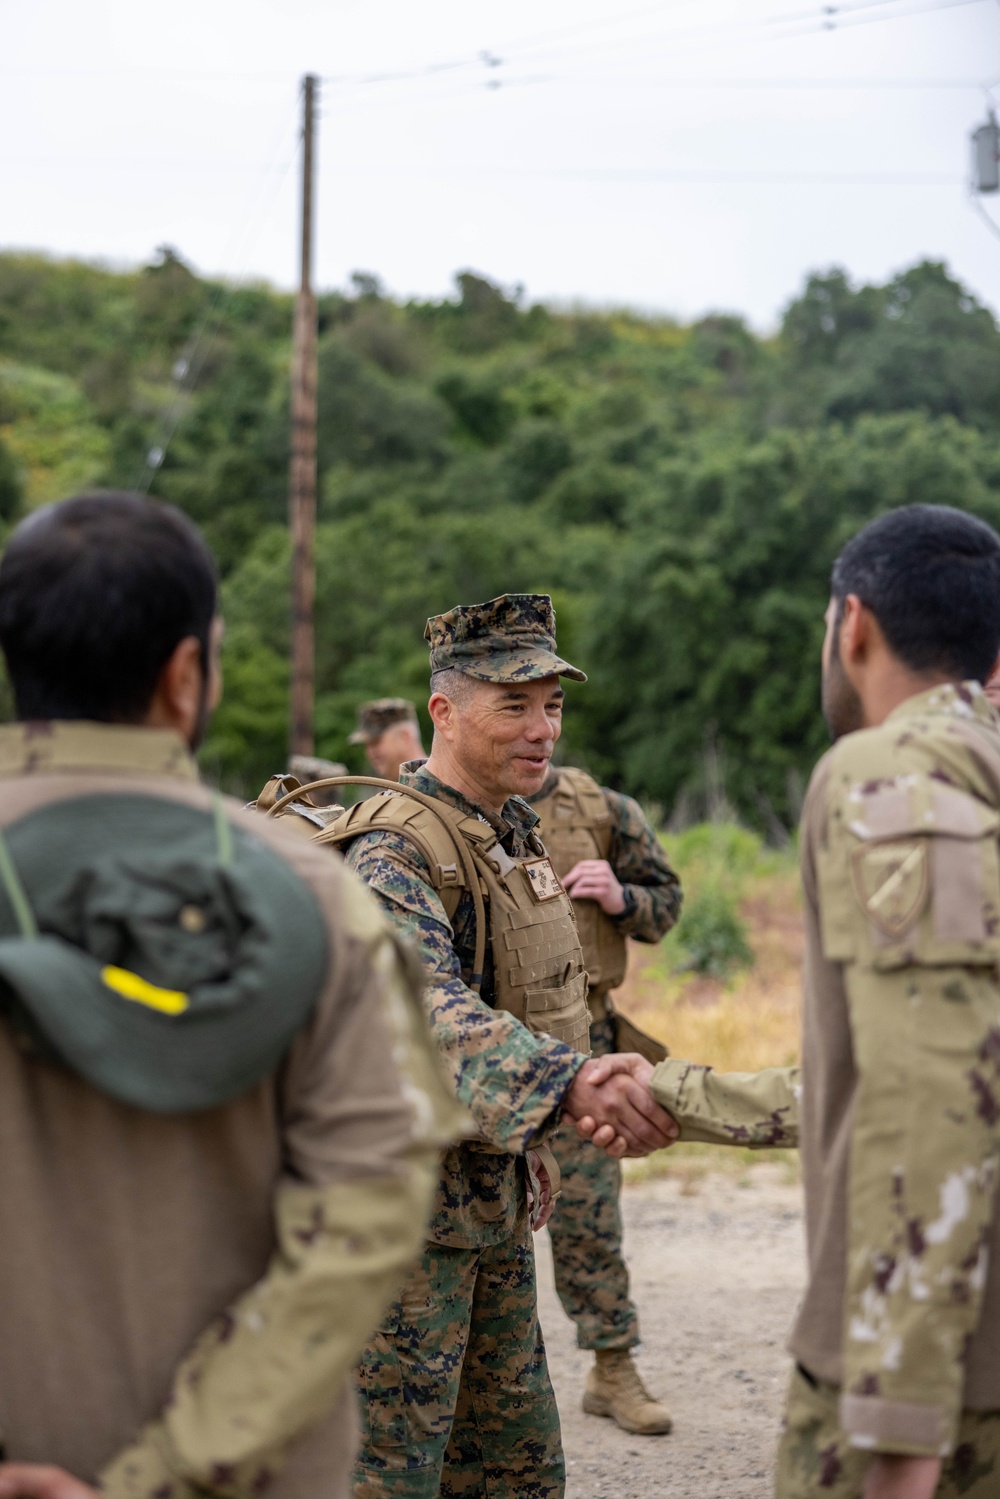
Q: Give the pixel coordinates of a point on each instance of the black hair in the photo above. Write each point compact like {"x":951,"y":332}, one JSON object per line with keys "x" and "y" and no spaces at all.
{"x":96,"y":593}
{"x":931,"y":577}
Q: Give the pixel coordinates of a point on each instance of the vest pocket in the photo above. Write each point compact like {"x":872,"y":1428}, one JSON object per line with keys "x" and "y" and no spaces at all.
{"x":560,"y":1013}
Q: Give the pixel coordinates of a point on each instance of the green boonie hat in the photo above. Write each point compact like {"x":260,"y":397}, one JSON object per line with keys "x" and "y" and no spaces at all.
{"x":375,"y":717}
{"x":166,"y":956}
{"x":509,"y":639}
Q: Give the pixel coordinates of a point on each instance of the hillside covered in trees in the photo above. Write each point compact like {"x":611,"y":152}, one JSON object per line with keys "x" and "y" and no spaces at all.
{"x":680,"y":490}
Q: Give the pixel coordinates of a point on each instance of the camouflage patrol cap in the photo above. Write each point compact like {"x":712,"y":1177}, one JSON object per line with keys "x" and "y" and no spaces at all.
{"x":508,"y":639}
{"x":375,"y":717}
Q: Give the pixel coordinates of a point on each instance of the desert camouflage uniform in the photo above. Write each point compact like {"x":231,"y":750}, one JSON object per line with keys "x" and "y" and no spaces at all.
{"x":468,"y":1311}
{"x":586,"y":1228}
{"x":900,"y":1103}
{"x":816,"y":1459}
{"x":184,"y":1292}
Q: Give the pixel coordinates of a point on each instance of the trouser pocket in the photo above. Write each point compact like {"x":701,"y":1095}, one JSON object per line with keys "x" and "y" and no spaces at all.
{"x":380,"y":1390}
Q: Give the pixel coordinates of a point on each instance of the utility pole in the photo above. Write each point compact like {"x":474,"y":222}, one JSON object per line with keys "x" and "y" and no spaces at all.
{"x":302,"y":476}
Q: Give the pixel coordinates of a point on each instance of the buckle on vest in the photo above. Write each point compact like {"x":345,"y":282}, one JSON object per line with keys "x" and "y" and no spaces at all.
{"x":449,"y":875}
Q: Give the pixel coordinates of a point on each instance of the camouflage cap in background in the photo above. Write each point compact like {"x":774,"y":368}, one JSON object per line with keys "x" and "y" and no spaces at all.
{"x":307,"y":768}
{"x":508,"y":639}
{"x":375,"y":717}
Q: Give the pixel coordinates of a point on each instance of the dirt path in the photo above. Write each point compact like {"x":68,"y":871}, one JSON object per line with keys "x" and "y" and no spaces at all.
{"x":717,"y":1274}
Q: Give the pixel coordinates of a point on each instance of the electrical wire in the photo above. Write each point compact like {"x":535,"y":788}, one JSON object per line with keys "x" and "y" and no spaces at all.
{"x":815,"y":19}
{"x":900,"y":15}
{"x":978,"y":208}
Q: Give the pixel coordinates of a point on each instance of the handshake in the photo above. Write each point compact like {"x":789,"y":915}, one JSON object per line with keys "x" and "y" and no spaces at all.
{"x":610,"y":1104}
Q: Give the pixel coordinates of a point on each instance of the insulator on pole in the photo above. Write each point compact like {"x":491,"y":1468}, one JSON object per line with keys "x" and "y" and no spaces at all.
{"x":986,"y":156}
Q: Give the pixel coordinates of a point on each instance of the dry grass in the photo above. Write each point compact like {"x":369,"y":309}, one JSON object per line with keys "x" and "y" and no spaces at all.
{"x":740,"y":1025}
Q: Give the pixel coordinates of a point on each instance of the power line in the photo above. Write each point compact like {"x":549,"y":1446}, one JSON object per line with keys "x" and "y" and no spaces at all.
{"x":817,"y":18}
{"x":987,"y":219}
{"x":899,"y":15}
{"x":639,"y":175}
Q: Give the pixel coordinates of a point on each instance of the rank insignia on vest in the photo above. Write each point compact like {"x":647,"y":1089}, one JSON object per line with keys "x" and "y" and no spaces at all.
{"x":892,"y":881}
{"x":542,"y":878}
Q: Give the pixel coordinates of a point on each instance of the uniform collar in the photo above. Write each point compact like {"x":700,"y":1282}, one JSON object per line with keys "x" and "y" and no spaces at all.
{"x":75,"y":745}
{"x":965,"y":700}
{"x":516,"y":820}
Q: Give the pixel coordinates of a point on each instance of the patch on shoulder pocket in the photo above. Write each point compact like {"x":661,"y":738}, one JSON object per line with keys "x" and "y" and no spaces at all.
{"x":892,"y":882}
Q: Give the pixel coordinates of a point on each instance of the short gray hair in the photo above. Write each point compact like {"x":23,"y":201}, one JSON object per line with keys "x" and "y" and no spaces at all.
{"x":455,"y":685}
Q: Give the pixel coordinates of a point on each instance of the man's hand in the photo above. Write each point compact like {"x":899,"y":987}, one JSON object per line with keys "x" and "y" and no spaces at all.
{"x":541,"y":1211}
{"x":36,"y":1481}
{"x":902,"y":1477}
{"x":610,"y":1102}
{"x":594,"y":879}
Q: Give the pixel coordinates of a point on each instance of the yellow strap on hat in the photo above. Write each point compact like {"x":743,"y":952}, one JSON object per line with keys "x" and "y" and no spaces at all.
{"x":132,"y":986}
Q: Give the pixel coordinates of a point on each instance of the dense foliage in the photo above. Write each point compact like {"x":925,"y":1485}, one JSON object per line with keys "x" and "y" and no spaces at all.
{"x":680,"y":490}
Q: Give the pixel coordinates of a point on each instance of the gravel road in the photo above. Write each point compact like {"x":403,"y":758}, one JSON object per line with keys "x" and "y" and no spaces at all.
{"x":717,"y":1269}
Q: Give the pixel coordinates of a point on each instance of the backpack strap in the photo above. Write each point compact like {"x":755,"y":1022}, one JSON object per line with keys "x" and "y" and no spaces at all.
{"x":441,"y":834}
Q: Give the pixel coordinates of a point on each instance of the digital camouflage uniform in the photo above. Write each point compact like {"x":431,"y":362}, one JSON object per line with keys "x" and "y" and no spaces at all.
{"x":454,"y":1389}
{"x":586,"y":1228}
{"x":898,"y":1110}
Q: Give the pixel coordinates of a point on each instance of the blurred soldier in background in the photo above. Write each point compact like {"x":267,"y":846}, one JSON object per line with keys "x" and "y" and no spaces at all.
{"x":390,"y":732}
{"x":219,"y":1104}
{"x":312,"y":768}
{"x":455,"y":1391}
{"x":896,"y":1390}
{"x":612,"y":865}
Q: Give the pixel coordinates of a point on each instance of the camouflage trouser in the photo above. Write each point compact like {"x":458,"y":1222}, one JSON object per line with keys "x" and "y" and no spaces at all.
{"x":454,"y":1390}
{"x":586,"y":1230}
{"x":815,"y":1461}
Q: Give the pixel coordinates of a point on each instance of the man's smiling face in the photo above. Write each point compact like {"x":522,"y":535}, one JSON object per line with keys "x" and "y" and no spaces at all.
{"x":505,"y":732}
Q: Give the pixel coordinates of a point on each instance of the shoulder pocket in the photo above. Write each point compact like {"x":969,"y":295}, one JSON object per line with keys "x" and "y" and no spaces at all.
{"x":911,"y":875}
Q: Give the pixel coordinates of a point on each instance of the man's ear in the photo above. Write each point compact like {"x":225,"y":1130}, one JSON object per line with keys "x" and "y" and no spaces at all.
{"x":178,"y":699}
{"x":442,"y":712}
{"x":854,"y":630}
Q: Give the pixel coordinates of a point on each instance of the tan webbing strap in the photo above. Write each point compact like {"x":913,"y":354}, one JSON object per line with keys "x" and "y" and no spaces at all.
{"x":548,"y":1160}
{"x":459,"y":843}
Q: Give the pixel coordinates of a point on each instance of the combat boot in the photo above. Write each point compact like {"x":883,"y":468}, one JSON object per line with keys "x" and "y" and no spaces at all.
{"x":615,"y":1389}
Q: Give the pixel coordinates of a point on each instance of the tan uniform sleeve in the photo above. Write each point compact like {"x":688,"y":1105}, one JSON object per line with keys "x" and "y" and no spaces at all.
{"x":755,"y":1109}
{"x":366,"y":1114}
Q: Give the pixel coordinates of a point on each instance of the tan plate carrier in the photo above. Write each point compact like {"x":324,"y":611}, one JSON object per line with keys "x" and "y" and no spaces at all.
{"x":538,"y":970}
{"x":575,"y":823}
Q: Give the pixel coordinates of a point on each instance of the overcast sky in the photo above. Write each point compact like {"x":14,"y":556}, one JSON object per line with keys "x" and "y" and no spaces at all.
{"x":680,"y":156}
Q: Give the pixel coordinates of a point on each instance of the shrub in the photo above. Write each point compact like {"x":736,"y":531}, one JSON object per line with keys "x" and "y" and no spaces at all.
{"x":712,"y":937}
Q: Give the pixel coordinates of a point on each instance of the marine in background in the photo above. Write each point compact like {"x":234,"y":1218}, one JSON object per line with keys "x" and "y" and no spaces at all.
{"x":621,"y":884}
{"x":220,"y":1107}
{"x":896,"y":1388}
{"x":389,"y":729}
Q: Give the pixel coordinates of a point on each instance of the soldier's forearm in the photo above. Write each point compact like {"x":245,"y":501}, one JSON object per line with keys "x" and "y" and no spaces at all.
{"x":756,"y":1109}
{"x":269,"y":1370}
{"x":653,"y":911}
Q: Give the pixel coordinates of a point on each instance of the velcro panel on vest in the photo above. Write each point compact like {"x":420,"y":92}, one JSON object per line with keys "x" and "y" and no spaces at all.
{"x":539,"y":944}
